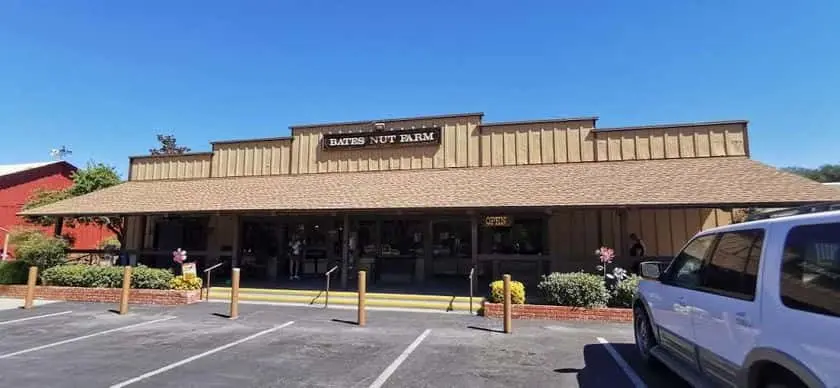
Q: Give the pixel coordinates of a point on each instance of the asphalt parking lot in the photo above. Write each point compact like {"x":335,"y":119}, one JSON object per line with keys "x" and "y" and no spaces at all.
{"x":85,"y":345}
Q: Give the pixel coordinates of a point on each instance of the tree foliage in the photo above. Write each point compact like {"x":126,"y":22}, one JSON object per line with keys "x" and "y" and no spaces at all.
{"x":823,"y":174}
{"x":168,"y":146}
{"x":95,"y":176}
{"x":33,"y":248}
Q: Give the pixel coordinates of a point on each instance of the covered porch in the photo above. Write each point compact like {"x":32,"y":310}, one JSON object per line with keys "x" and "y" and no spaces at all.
{"x":417,"y":251}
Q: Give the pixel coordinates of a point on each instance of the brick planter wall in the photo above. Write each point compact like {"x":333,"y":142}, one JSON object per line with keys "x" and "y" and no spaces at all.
{"x":533,"y":311}
{"x":105,"y":295}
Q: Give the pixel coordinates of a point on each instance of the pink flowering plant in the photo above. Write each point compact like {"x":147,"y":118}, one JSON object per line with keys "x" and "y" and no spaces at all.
{"x":179,"y":256}
{"x":606,"y":256}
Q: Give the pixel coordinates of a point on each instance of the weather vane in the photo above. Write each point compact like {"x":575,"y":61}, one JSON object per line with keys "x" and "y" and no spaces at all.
{"x":60,"y":153}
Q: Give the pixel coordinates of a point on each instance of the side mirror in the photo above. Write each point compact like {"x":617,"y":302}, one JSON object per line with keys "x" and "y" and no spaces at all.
{"x":650,"y":270}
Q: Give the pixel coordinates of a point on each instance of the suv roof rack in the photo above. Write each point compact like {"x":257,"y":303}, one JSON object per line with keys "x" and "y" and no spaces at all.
{"x":807,"y":209}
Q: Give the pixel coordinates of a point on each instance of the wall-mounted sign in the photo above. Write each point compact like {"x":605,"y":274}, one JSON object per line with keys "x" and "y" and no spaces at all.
{"x":498,"y":221}
{"x":421,"y":136}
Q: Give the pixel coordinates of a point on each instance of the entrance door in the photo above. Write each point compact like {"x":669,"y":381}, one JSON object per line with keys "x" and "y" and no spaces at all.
{"x":726,"y":314}
{"x":672,"y":307}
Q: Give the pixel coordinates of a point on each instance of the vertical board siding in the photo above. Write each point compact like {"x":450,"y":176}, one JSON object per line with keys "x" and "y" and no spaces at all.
{"x":538,"y":143}
{"x":171,"y":167}
{"x":587,"y":144}
{"x":576,"y":234}
{"x":270,"y":157}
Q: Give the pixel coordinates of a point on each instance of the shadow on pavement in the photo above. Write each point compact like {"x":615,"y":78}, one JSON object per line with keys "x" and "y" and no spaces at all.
{"x":602,"y":370}
{"x":485,"y":329}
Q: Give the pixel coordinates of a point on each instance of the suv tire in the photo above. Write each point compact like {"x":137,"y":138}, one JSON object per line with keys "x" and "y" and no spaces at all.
{"x":781,"y":379}
{"x":644,"y":336}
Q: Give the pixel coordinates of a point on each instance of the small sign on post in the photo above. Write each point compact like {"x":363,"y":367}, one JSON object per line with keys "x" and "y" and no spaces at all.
{"x":188,"y":270}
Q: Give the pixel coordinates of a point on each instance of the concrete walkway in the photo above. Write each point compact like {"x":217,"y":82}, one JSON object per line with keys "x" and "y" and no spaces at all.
{"x":13,"y":303}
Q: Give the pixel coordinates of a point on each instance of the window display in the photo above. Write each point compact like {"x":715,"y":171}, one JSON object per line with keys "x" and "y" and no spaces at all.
{"x":523,"y":237}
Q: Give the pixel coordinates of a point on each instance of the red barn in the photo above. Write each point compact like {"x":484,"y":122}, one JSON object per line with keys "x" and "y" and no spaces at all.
{"x":19,"y":181}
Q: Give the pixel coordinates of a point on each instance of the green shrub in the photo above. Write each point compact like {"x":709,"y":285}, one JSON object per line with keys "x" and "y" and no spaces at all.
{"x":575,"y":289}
{"x":151,"y":278}
{"x":182,"y":282}
{"x":34,"y":248}
{"x":517,"y":292}
{"x":106,"y":277}
{"x":13,"y":272}
{"x":622,"y":295}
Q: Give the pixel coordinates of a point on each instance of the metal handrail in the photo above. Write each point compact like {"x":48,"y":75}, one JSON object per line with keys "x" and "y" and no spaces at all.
{"x":472,"y":284}
{"x":207,"y":271}
{"x":213,"y":267}
{"x":327,"y":295}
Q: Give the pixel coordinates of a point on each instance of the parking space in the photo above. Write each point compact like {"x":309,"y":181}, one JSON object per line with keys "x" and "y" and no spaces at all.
{"x":72,"y":345}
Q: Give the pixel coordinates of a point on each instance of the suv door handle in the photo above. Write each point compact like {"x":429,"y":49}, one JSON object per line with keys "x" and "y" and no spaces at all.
{"x":680,"y":305}
{"x":742,"y":319}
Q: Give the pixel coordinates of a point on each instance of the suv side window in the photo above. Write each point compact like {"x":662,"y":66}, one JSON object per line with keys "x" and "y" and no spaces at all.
{"x":810,"y":278}
{"x":733,"y":268}
{"x":685,"y":270}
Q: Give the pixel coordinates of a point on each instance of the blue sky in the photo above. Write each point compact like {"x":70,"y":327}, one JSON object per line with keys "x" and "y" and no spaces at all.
{"x":103,"y":77}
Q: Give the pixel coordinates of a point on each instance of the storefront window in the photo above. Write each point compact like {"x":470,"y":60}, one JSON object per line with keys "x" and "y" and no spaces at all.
{"x":402,"y":238}
{"x":451,"y":239}
{"x":524,"y":236}
{"x":451,"y":250}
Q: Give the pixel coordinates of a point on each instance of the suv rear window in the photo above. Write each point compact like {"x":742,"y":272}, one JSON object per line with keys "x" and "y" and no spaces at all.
{"x":811,"y":269}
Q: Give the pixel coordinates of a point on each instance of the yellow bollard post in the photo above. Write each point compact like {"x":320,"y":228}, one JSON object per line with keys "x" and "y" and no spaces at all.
{"x":507,"y":304}
{"x":126,"y":288}
{"x":234,"y":294}
{"x":362,"y":291}
{"x":30,"y":287}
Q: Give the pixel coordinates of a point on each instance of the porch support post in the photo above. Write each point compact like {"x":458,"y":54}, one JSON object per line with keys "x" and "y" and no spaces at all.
{"x":142,"y":240}
{"x":428,"y":256}
{"x":59,"y":223}
{"x":474,"y":247}
{"x":237,"y":241}
{"x":474,"y":238}
{"x":345,"y":250}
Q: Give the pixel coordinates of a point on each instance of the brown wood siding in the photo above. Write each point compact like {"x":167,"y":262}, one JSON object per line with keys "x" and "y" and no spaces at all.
{"x":170,"y":167}
{"x":537,"y":143}
{"x":270,"y":157}
{"x":576,"y":234}
{"x":133,"y":234}
{"x":563,"y":142}
{"x":460,"y":147}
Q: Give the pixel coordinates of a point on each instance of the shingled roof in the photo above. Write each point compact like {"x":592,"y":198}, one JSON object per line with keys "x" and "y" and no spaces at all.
{"x":678,"y":182}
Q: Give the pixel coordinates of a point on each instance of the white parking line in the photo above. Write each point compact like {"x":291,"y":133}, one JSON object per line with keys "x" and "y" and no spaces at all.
{"x":67,"y":341}
{"x":35,"y":317}
{"x":394,"y":365}
{"x":197,"y":356}
{"x":634,"y":378}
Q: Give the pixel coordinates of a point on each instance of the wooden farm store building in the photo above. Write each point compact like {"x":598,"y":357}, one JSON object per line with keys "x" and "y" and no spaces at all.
{"x":425,"y":199}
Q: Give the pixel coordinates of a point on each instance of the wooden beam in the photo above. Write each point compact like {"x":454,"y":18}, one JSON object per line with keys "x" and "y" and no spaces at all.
{"x":345,"y":250}
{"x":59,"y":223}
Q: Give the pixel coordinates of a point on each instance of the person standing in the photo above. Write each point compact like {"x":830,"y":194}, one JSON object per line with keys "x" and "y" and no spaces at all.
{"x":295,"y":257}
{"x":637,"y":251}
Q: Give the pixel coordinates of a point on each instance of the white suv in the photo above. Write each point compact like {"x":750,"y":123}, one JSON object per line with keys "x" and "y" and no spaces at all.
{"x":755,"y":304}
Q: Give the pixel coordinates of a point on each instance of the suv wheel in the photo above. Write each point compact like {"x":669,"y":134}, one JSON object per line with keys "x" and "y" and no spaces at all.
{"x":643,"y":332}
{"x":781,"y":379}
